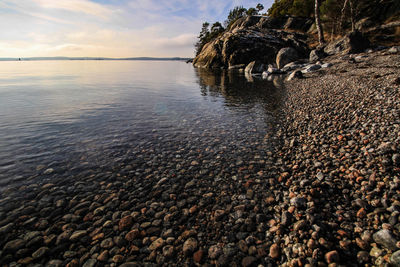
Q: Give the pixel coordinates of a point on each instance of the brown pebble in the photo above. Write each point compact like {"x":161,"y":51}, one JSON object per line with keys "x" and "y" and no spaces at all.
{"x":274,"y":251}
{"x":332,"y":256}
{"x":198,"y":256}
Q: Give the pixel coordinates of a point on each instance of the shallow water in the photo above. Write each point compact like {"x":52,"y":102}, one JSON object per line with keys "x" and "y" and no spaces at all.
{"x":67,"y":120}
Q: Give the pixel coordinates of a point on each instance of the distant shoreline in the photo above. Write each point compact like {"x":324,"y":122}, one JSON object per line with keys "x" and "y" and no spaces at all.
{"x":94,"y":58}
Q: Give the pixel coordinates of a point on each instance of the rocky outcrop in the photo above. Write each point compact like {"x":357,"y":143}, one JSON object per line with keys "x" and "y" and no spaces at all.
{"x":250,"y":39}
{"x":285,"y":56}
{"x":354,"y":42}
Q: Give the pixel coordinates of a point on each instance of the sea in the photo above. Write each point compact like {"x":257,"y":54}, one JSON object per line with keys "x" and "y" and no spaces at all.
{"x":63,"y":121}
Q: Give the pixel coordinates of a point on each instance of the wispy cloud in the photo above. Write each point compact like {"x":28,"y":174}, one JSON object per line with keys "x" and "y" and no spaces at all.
{"x":114,"y":28}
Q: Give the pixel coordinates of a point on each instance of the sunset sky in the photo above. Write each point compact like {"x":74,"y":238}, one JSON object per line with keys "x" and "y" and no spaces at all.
{"x":113,"y":28}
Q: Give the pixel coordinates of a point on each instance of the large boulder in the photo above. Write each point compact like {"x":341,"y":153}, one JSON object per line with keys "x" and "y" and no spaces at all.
{"x":242,"y":44}
{"x":354,"y":42}
{"x":285,"y":56}
{"x":316,"y":55}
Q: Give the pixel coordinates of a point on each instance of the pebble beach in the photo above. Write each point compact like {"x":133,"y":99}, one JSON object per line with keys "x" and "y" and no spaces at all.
{"x":323,"y":191}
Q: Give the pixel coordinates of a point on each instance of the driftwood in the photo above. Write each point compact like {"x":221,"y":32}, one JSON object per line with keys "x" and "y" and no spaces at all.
{"x":383,"y":27}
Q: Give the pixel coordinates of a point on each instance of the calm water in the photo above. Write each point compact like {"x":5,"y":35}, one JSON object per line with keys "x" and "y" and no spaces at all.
{"x":66,"y":120}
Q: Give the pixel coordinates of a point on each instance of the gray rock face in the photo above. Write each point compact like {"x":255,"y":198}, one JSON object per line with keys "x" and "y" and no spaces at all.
{"x":354,"y":42}
{"x":285,"y":56}
{"x":386,"y":239}
{"x":243,"y":44}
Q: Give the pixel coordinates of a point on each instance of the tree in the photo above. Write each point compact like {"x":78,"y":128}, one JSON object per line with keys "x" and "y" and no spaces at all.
{"x":259,"y":7}
{"x":318,"y":23}
{"x":235,"y":14}
{"x":203,"y":36}
{"x":251,"y":11}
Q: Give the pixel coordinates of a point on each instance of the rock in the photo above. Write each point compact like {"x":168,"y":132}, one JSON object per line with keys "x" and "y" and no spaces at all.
{"x":291,"y":66}
{"x":198,"y":256}
{"x":125,"y":223}
{"x":103,"y":256}
{"x":40,"y":252}
{"x":316,"y":54}
{"x":107,"y":243}
{"x":118,"y":258}
{"x":255,"y":67}
{"x":311,"y":68}
{"x":248,"y":261}
{"x":298,"y":23}
{"x":90,"y":263}
{"x":299,"y":225}
{"x":158,"y":243}
{"x":332,"y":256}
{"x":14,"y":245}
{"x":298,"y":202}
{"x":214,"y":252}
{"x":132,"y":235}
{"x":286,"y":218}
{"x":77,"y":235}
{"x":326,"y":65}
{"x":394,"y":50}
{"x":354,"y":42}
{"x":295,"y":74}
{"x":285,"y":56}
{"x":385,"y":238}
{"x":189,"y":246}
{"x":48,"y":171}
{"x":395,"y":258}
{"x":362,"y":257}
{"x":396,"y":159}
{"x":274,"y":251}
{"x":168,"y":251}
{"x":241,"y":44}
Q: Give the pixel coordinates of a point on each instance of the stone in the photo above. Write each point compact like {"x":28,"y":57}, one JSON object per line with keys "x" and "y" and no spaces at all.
{"x":168,"y":251}
{"x":125,"y":223}
{"x":295,"y":74}
{"x":14,"y":245}
{"x":286,"y":55}
{"x":256,"y":67}
{"x":132,"y":235}
{"x":286,"y":218}
{"x":107,"y":243}
{"x":198,"y":256}
{"x":316,"y":54}
{"x":298,"y":202}
{"x":214,"y":252}
{"x":394,"y":50}
{"x":156,"y":244}
{"x":395,"y":258}
{"x":299,"y":225}
{"x":274,"y":251}
{"x":385,"y":238}
{"x":248,"y":261}
{"x":353,"y":42}
{"x":40,"y":252}
{"x":189,"y":246}
{"x":332,"y":257}
{"x":90,"y":263}
{"x":311,"y":68}
{"x":77,"y":235}
{"x":103,"y":256}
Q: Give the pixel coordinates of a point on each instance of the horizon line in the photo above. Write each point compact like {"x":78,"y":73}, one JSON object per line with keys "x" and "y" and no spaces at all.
{"x":91,"y":58}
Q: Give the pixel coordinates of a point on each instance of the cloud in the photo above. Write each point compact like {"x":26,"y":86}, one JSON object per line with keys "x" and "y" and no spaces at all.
{"x":183,"y":40}
{"x":77,"y":6}
{"x":109,"y":28}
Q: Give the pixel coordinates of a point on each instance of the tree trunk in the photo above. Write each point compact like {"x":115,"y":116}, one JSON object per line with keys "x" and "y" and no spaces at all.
{"x":318,"y":24}
{"x":353,"y":27}
{"x":343,"y":13}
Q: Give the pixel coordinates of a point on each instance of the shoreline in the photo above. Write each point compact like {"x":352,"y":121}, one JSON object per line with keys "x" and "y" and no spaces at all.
{"x":329,"y":194}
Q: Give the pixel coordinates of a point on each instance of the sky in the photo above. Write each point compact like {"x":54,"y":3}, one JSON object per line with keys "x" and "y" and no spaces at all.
{"x":108,"y":28}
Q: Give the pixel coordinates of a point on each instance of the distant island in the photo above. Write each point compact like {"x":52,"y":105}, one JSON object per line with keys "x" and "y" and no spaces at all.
{"x":96,"y":58}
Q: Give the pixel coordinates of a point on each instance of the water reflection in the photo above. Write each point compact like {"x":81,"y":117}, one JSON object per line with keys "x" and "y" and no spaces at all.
{"x":242,"y":90}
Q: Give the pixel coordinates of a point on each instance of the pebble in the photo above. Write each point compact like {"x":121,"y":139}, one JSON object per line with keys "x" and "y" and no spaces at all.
{"x":189,"y":246}
{"x":332,"y":256}
{"x":385,"y":238}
